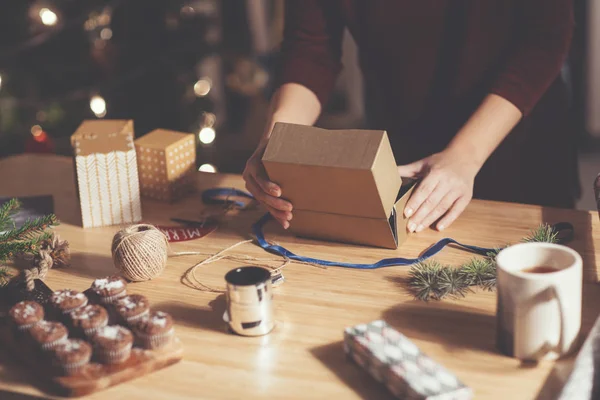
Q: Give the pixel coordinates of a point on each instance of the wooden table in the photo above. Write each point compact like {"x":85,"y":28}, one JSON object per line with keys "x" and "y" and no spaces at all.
{"x":303,"y":358}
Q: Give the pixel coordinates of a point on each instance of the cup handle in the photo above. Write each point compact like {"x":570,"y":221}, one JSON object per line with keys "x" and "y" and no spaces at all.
{"x":563,"y":323}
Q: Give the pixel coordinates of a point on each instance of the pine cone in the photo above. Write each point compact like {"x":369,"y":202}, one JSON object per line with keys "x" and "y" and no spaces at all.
{"x":57,"y":249}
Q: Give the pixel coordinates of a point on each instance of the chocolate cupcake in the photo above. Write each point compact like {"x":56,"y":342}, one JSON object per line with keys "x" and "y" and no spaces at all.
{"x":26,"y":314}
{"x":89,"y":319}
{"x":67,"y":300}
{"x":72,"y":355}
{"x":112,"y":344}
{"x":110,"y":288}
{"x":133,"y":307}
{"x":48,"y":334}
{"x":154,"y":330}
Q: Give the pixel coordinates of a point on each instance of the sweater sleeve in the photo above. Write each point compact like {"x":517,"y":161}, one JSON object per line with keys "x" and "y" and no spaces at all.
{"x":543,"y":40}
{"x":312,"y":46}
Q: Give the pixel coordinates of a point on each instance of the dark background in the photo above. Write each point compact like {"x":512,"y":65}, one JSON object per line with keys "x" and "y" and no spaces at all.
{"x":144,"y":58}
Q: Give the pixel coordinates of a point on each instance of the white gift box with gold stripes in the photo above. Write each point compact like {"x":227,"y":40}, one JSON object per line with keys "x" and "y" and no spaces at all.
{"x":107,"y":174}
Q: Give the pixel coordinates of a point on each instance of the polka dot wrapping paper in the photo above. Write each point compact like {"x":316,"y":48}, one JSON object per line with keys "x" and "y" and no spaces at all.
{"x":392,"y":359}
{"x":166,"y":164}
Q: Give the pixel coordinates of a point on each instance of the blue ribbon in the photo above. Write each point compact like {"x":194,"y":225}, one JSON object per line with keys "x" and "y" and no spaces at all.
{"x":215,"y":196}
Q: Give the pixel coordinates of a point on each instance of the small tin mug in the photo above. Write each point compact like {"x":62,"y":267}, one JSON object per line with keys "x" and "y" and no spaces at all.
{"x":249,"y":301}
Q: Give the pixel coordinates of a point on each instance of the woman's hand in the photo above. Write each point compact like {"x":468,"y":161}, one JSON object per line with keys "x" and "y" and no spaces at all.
{"x":266,"y":192}
{"x":444,"y":192}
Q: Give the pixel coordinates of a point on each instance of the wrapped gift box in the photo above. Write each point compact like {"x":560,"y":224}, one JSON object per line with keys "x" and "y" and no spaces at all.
{"x":107,"y":175}
{"x":167,"y":163}
{"x":392,"y":359}
{"x":344,"y":184}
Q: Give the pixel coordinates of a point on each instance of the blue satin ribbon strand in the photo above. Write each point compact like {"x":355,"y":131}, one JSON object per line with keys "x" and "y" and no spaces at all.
{"x":224,"y":195}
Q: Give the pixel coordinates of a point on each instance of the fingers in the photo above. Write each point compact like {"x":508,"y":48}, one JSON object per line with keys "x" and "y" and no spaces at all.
{"x":459,"y":206}
{"x":260,"y":195}
{"x":261,"y":178}
{"x":438,"y":211}
{"x":424,"y":202}
{"x":412,"y":170}
{"x":283,"y":217}
{"x":420,"y":194}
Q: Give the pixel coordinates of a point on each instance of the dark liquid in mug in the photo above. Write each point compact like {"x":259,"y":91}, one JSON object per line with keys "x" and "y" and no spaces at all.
{"x":542,"y":269}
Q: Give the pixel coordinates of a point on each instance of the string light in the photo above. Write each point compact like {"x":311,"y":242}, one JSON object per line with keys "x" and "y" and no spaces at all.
{"x":98,"y":106}
{"x":0,"y":81}
{"x":106,"y":33}
{"x":207,"y":135}
{"x":36,"y":130}
{"x":202,"y":87}
{"x":48,"y":17}
{"x":207,"y":168}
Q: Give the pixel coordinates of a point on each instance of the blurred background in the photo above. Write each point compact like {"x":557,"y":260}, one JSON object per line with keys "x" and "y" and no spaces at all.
{"x":201,"y":66}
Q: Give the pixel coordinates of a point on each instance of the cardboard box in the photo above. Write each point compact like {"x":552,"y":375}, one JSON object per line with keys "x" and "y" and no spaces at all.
{"x":167,"y":163}
{"x":107,"y":175}
{"x":344,"y":184}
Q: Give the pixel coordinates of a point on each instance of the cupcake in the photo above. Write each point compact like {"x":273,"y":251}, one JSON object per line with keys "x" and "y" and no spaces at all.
{"x":26,"y":314}
{"x":89,"y":318}
{"x":68,"y":300}
{"x":49,"y":334}
{"x":72,"y":355}
{"x":133,"y":307}
{"x":109,"y":289}
{"x":154,"y":330}
{"x":112,"y":344}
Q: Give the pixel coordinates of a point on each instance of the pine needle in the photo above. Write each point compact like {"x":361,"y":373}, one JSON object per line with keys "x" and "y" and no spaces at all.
{"x":424,"y":280}
{"x":7,"y":211}
{"x":480,"y":272}
{"x":452,"y":283}
{"x":544,"y":233}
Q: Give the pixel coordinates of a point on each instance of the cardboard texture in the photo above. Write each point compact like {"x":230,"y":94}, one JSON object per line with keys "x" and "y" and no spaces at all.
{"x":107,"y":176}
{"x":167,"y":163}
{"x":344,"y":184}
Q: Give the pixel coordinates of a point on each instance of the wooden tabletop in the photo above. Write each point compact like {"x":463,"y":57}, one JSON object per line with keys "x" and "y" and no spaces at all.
{"x":303,"y":357}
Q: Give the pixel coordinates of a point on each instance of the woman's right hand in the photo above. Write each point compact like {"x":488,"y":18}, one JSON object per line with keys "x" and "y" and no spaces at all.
{"x":266,"y":192}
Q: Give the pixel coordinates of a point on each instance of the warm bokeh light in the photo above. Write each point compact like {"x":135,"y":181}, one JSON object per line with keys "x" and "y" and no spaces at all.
{"x":0,"y":81}
{"x":207,"y":135}
{"x":36,"y":130}
{"x":202,"y":87}
{"x":48,"y":17}
{"x":207,"y":168}
{"x":98,"y":106}
{"x":106,"y":33}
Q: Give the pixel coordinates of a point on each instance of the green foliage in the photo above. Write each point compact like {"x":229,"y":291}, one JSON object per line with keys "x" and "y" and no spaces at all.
{"x":24,"y":240}
{"x":433,"y":280}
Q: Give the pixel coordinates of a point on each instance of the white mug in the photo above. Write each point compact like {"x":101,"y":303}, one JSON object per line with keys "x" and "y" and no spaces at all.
{"x":538,"y":314}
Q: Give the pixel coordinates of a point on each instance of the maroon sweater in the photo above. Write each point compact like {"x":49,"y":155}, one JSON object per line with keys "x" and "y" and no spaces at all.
{"x":428,"y":64}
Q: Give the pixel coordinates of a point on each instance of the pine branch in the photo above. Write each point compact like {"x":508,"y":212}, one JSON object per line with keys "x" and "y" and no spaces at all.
{"x":543,"y":233}
{"x":7,"y":211}
{"x":452,"y":283}
{"x":480,"y":272}
{"x":424,"y":280}
{"x":30,"y":229}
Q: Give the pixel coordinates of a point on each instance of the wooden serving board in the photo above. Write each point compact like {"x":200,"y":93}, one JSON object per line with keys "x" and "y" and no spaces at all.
{"x":95,"y":376}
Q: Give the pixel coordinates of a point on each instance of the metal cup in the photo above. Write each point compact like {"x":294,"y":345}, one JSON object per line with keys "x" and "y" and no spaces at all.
{"x":249,"y":301}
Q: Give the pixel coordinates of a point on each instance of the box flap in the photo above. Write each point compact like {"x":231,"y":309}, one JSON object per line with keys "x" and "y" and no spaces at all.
{"x":103,"y":136}
{"x":346,"y":172}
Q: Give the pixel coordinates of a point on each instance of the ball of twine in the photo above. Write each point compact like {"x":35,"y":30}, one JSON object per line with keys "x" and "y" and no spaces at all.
{"x":140,"y":252}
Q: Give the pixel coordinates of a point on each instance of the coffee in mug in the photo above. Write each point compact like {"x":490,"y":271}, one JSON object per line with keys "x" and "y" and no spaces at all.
{"x":538,"y":300}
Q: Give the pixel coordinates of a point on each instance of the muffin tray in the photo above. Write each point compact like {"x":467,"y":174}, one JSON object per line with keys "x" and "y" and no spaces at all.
{"x":95,"y":376}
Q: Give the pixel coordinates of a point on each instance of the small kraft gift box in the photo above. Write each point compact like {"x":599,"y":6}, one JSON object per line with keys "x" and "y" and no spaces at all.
{"x":167,"y":162}
{"x":344,"y":184}
{"x":107,"y":175}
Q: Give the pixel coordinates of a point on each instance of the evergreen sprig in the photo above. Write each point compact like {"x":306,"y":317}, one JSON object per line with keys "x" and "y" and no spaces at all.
{"x":433,"y":280}
{"x":23,"y":240}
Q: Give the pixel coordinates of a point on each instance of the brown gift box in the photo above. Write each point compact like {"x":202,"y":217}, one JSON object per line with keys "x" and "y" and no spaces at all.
{"x":107,"y":175}
{"x":167,"y":163}
{"x":344,"y":184}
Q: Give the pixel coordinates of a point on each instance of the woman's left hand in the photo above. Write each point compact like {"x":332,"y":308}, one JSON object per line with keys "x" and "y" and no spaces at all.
{"x":444,"y":192}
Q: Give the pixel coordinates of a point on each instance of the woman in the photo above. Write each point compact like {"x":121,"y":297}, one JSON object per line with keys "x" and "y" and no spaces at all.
{"x":468,"y":90}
